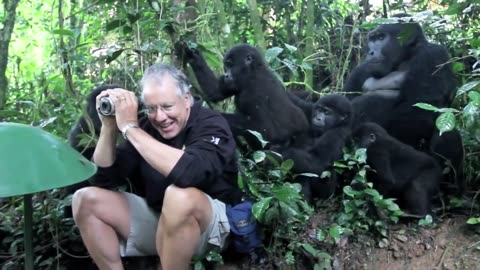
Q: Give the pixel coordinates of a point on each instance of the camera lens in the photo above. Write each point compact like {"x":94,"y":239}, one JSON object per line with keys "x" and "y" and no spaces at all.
{"x":107,"y":107}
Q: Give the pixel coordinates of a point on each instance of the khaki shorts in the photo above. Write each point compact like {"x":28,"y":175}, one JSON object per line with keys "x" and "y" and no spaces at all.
{"x":144,"y":222}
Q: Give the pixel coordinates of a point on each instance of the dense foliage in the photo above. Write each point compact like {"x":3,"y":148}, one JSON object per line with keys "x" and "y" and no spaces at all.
{"x":59,"y":50}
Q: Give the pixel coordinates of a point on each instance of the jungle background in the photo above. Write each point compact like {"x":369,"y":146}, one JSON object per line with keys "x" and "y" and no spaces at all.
{"x":52,"y":53}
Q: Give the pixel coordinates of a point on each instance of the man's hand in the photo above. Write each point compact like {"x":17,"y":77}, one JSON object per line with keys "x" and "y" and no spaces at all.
{"x":126,"y":108}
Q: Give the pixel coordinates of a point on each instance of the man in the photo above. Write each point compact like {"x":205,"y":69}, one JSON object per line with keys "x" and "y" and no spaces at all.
{"x":185,"y":155}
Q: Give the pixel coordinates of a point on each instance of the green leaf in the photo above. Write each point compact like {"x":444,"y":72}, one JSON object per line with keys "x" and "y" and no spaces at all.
{"x":473,"y":220}
{"x":361,"y":155}
{"x":470,"y":110}
{"x":426,"y":106}
{"x":258,"y":136}
{"x":114,"y":56}
{"x":307,"y":66}
{"x":474,"y":96}
{"x":335,"y":232}
{"x":133,"y":17}
{"x":289,"y":258}
{"x":286,"y":165}
{"x":198,"y":266}
{"x":445,"y":122}
{"x":372,"y":192}
{"x":308,"y":174}
{"x":454,"y":8}
{"x":321,"y":235}
{"x":272,"y":53}
{"x":310,"y":249}
{"x":115,"y":24}
{"x":425,"y":221}
{"x":259,"y":156}
{"x":63,"y":32}
{"x":467,"y":87}
{"x":458,"y":67}
{"x":260,"y":208}
{"x":291,"y":48}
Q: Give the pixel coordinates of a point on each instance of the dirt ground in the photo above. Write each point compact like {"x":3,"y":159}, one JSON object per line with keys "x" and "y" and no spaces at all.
{"x":450,"y":244}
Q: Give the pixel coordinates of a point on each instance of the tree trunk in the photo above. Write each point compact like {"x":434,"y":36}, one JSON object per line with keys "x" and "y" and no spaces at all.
{"x":5,"y":35}
{"x":222,"y":17}
{"x":257,"y":25}
{"x":309,"y":40}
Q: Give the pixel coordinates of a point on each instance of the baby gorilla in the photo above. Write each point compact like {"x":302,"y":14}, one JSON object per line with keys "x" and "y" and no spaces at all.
{"x":330,"y":128}
{"x":398,"y":170}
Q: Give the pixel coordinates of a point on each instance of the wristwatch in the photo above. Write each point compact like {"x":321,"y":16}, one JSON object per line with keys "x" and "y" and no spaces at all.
{"x":126,"y":128}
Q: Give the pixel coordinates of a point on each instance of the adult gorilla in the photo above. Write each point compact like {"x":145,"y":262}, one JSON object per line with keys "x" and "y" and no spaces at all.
{"x":417,"y":71}
{"x":260,"y":99}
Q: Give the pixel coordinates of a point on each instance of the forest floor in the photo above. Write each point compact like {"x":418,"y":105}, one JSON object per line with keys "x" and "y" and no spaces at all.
{"x":449,"y":244}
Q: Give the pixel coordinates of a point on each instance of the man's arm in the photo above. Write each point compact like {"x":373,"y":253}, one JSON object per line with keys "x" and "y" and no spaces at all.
{"x":160,"y":156}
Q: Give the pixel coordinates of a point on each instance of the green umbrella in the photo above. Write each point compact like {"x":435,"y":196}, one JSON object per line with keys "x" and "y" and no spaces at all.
{"x":33,"y":160}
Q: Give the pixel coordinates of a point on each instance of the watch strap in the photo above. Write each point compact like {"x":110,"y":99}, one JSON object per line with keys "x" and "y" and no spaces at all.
{"x":127,"y":127}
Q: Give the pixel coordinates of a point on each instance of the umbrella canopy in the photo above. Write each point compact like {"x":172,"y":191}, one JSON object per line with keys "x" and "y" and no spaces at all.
{"x":33,"y":160}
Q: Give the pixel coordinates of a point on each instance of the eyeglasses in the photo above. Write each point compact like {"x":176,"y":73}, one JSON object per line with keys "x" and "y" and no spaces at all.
{"x":167,"y":109}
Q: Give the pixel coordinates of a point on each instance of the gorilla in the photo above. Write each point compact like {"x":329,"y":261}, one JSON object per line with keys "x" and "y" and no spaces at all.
{"x":402,"y":61}
{"x":261,"y":101}
{"x":398,"y":170}
{"x":330,"y":128}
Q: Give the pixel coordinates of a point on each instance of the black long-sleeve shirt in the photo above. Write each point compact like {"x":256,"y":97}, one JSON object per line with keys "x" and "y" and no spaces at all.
{"x":208,"y":162}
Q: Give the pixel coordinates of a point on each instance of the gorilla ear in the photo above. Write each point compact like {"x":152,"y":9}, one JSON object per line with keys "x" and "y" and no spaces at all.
{"x":248,"y":60}
{"x":372,"y":137}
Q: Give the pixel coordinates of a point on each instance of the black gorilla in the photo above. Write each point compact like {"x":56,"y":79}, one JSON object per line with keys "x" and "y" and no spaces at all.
{"x":87,"y":127}
{"x":88,"y":124}
{"x":398,"y":170}
{"x":260,"y":99}
{"x":330,"y":129}
{"x":413,"y":70}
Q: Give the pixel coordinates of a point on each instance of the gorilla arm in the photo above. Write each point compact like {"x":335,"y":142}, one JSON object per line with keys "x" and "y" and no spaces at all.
{"x":215,"y":89}
{"x":391,"y":81}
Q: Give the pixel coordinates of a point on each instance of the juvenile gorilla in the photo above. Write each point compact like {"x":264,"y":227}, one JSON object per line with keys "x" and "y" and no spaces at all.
{"x":90,"y":125}
{"x":260,"y":99}
{"x":400,"y":55}
{"x":398,"y":170}
{"x":330,"y":129}
{"x":87,"y":125}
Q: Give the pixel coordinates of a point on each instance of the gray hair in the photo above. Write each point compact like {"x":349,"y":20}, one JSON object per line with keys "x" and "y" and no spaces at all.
{"x":157,"y":73}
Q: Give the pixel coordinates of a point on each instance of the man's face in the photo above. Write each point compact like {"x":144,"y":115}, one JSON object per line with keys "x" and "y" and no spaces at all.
{"x":167,"y":111}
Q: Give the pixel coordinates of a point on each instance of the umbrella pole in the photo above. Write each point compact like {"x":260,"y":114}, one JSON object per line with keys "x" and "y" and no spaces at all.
{"x":28,"y":217}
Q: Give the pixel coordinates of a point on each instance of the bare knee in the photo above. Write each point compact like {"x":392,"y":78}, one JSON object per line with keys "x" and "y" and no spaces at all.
{"x":184,"y":205}
{"x":180,"y":201}
{"x":84,"y":201}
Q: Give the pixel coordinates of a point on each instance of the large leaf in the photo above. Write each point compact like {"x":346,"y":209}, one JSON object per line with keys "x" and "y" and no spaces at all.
{"x":260,"y":208}
{"x":426,"y":106}
{"x":258,"y":136}
{"x":63,"y":32}
{"x":114,"y":56}
{"x":445,"y":122}
{"x":474,"y":96}
{"x":115,"y":24}
{"x":467,"y":87}
{"x":272,"y":53}
{"x":259,"y":156}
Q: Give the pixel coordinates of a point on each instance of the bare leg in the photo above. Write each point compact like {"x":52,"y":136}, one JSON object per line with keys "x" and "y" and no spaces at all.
{"x":100,"y":214}
{"x":186,"y":213}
